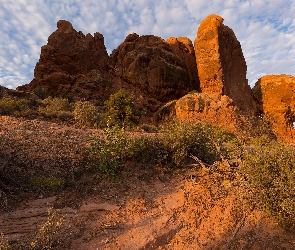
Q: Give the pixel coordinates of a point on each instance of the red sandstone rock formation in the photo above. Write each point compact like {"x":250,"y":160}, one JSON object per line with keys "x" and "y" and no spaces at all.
{"x":221,"y":64}
{"x":275,"y":96}
{"x":65,"y":61}
{"x":201,"y":107}
{"x":78,"y":66}
{"x":184,"y":49}
{"x":152,"y":65}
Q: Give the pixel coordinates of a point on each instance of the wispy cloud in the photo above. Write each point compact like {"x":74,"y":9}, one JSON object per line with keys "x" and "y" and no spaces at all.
{"x":265,"y":28}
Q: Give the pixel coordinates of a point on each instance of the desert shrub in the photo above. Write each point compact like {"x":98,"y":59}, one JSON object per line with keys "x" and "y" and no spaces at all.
{"x":85,"y":113}
{"x":262,"y":141}
{"x":4,"y":244}
{"x":9,"y":105}
{"x":48,"y":184}
{"x":57,"y":107}
{"x":40,"y":92}
{"x":149,"y":128}
{"x":231,"y":146}
{"x":107,"y":154}
{"x":181,"y":139}
{"x":270,"y":171}
{"x":48,"y":235}
{"x":121,"y":110}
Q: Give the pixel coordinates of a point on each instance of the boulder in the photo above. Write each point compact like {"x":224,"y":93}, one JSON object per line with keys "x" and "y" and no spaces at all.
{"x":221,"y":64}
{"x":202,"y":107}
{"x":275,"y":97}
{"x":218,"y":110}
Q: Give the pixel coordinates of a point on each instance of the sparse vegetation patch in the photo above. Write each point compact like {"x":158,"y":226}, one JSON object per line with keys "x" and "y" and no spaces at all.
{"x":57,"y":107}
{"x":107,"y":154}
{"x":181,"y":139}
{"x":121,"y":110}
{"x":270,"y":171}
{"x":85,"y":113}
{"x":48,"y":235}
{"x":48,"y":184}
{"x":10,"y":105}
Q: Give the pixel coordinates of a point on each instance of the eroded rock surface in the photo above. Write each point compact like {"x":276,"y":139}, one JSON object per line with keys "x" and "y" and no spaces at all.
{"x":184,"y":49}
{"x":275,"y":96}
{"x":76,"y":65}
{"x":201,"y":107}
{"x":221,"y":64}
{"x":159,"y":70}
{"x":67,"y":58}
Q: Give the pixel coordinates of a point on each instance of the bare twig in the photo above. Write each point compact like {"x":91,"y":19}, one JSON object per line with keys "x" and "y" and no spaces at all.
{"x":202,"y":164}
{"x":223,"y":159}
{"x":236,"y":232}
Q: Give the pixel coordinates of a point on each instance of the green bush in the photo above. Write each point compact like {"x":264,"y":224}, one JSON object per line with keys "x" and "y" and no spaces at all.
{"x":121,"y":110}
{"x":85,"y":113}
{"x":48,"y":184}
{"x":9,"y":105}
{"x":184,"y":138}
{"x":57,"y":107}
{"x":270,"y":171}
{"x":40,"y":92}
{"x":107,"y":154}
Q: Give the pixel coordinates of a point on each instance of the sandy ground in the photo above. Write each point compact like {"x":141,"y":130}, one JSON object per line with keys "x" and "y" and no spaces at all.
{"x":148,"y":207}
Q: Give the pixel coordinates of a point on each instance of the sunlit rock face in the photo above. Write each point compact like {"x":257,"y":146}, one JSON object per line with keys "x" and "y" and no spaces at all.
{"x":275,"y":96}
{"x":221,"y":65}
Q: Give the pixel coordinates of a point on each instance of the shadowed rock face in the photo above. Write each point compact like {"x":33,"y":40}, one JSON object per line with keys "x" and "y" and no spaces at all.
{"x":149,"y":63}
{"x":67,"y":58}
{"x":275,"y":96}
{"x":184,"y":49}
{"x":221,"y":64}
{"x":78,"y":66}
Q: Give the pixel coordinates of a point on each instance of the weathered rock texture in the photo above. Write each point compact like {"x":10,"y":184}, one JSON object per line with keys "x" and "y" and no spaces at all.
{"x":184,"y":49}
{"x":160,"y":71}
{"x":275,"y":96}
{"x":221,"y":64}
{"x":201,"y":107}
{"x":78,"y":66}
{"x":67,"y":58}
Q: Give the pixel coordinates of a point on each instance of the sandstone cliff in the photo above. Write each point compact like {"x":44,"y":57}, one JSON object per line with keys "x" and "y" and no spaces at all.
{"x":159,"y":70}
{"x":275,"y":96}
{"x":78,"y":66}
{"x":221,"y":64}
{"x":71,"y":59}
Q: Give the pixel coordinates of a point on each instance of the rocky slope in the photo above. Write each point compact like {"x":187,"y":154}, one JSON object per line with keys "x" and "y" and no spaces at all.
{"x":150,"y":207}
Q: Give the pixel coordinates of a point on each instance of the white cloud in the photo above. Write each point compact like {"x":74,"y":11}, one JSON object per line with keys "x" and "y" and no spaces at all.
{"x":265,"y":28}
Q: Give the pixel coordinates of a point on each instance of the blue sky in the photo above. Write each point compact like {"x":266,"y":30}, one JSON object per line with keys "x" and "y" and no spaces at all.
{"x":265,"y":28}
